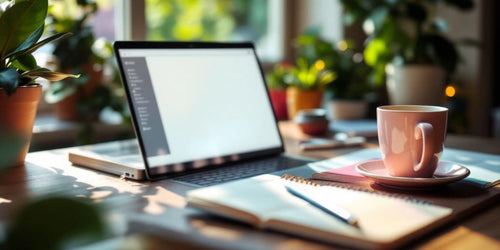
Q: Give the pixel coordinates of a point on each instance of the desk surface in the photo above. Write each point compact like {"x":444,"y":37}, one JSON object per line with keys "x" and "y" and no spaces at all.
{"x":49,"y":172}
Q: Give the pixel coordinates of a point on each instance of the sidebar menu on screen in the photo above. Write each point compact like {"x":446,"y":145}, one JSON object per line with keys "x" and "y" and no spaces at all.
{"x":145,"y":106}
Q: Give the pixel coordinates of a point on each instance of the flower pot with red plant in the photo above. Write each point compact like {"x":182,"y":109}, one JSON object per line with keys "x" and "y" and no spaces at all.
{"x":277,"y":89}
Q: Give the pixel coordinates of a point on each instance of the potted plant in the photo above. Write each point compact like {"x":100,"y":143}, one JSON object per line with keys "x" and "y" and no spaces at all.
{"x":406,"y":43}
{"x":275,"y":80}
{"x":82,"y":98}
{"x":345,"y":96}
{"x":306,"y":85}
{"x":21,"y":27}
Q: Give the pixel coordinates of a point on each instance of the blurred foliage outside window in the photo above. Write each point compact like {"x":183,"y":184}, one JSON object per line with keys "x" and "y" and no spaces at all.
{"x":195,"y":20}
{"x":207,"y":20}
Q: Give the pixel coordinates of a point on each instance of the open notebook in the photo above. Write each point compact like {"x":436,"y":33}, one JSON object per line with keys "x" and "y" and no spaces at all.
{"x":264,"y":202}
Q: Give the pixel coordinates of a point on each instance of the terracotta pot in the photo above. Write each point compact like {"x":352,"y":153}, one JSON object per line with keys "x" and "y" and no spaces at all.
{"x":67,"y":109}
{"x":17,"y":116}
{"x":415,"y":84}
{"x":278,"y":100}
{"x":299,"y":99}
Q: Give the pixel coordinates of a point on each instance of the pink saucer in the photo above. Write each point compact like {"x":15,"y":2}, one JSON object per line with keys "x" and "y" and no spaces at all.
{"x":446,"y":172}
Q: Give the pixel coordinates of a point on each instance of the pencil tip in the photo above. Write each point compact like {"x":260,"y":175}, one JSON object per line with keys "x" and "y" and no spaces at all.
{"x":354,"y":223}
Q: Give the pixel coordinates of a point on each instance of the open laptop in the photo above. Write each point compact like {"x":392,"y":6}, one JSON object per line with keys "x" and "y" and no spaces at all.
{"x":201,"y":111}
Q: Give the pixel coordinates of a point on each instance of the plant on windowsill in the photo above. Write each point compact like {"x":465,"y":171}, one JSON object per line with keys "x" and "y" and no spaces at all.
{"x":21,"y":27}
{"x":406,"y":43}
{"x":275,"y":80}
{"x":79,"y":99}
{"x":82,"y":100}
{"x":345,"y":96}
{"x":306,"y":85}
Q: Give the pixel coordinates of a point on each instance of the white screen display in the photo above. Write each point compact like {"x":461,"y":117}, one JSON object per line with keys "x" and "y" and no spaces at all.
{"x":212,"y":103}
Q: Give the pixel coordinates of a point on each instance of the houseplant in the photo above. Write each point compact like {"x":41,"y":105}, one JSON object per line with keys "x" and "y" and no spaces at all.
{"x":21,"y":27}
{"x":82,"y":98}
{"x":345,"y":96}
{"x":306,"y":84}
{"x":275,"y":80}
{"x":406,"y":41}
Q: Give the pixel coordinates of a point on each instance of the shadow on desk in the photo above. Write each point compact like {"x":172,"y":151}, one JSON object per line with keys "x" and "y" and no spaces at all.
{"x":158,"y":208}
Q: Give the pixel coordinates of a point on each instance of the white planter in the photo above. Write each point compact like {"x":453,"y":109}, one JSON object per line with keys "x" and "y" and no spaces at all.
{"x":346,"y":109}
{"x":415,"y":84}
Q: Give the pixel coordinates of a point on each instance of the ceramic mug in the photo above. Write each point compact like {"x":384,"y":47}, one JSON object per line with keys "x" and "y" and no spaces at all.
{"x":411,"y":138}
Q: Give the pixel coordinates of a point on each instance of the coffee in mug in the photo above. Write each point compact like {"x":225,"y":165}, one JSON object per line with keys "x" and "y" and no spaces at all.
{"x":411,"y":138}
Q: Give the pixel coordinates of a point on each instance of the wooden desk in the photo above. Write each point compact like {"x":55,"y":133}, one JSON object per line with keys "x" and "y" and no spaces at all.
{"x":49,"y":172}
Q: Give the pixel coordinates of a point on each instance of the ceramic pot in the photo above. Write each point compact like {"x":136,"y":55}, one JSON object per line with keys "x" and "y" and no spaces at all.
{"x":415,"y":84}
{"x":299,"y":99}
{"x":346,"y":109}
{"x":312,"y":121}
{"x":17,"y":116}
{"x":278,"y":100}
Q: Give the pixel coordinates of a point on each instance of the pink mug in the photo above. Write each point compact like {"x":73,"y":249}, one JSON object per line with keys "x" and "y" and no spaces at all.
{"x":411,"y":138}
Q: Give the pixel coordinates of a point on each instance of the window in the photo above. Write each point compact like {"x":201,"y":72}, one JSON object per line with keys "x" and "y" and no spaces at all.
{"x":259,"y":21}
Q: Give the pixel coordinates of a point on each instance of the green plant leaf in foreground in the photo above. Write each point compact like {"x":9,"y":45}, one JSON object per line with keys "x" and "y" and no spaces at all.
{"x":25,"y":62}
{"x":28,"y":43}
{"x":55,"y":223}
{"x":19,"y":22}
{"x":9,"y":80}
{"x":48,"y":74}
{"x":36,"y":46}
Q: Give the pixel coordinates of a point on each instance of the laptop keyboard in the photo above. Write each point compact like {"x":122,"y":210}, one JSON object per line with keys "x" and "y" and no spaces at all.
{"x":239,"y":171}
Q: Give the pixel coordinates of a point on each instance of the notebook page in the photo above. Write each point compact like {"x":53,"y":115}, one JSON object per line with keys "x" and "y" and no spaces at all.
{"x":382,"y":220}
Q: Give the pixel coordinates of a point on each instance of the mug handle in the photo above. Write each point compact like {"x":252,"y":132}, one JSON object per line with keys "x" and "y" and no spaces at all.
{"x":425,"y":131}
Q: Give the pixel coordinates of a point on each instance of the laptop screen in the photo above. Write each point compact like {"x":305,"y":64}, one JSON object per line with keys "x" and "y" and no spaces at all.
{"x":197,"y":104}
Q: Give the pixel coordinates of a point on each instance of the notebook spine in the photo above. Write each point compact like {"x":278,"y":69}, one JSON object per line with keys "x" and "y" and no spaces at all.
{"x":351,"y":187}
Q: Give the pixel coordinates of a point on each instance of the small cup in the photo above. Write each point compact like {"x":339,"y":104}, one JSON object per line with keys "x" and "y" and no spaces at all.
{"x":312,"y":121}
{"x":411,"y":138}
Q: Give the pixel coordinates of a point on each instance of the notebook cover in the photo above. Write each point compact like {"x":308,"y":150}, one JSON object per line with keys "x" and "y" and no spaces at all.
{"x":347,"y":174}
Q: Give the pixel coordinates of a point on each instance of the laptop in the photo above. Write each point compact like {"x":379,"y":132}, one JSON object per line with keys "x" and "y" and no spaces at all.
{"x":201,"y":111}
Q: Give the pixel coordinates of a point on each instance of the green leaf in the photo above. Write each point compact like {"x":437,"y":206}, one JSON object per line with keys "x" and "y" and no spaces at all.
{"x":374,"y":51}
{"x":67,"y":223}
{"x":19,"y":22}
{"x":25,"y":62}
{"x":378,"y":17}
{"x":48,"y":40}
{"x":28,"y":43}
{"x":48,"y":74}
{"x":9,"y":80}
{"x":33,"y":47}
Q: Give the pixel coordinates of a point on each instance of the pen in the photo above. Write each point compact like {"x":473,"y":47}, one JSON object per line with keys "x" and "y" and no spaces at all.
{"x":329,"y":208}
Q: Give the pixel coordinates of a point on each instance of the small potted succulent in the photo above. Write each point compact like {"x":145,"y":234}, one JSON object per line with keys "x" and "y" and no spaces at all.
{"x":21,"y":26}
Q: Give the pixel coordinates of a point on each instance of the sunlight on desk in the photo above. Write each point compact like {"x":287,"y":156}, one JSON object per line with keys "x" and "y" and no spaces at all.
{"x":464,"y":238}
{"x":162,"y":198}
